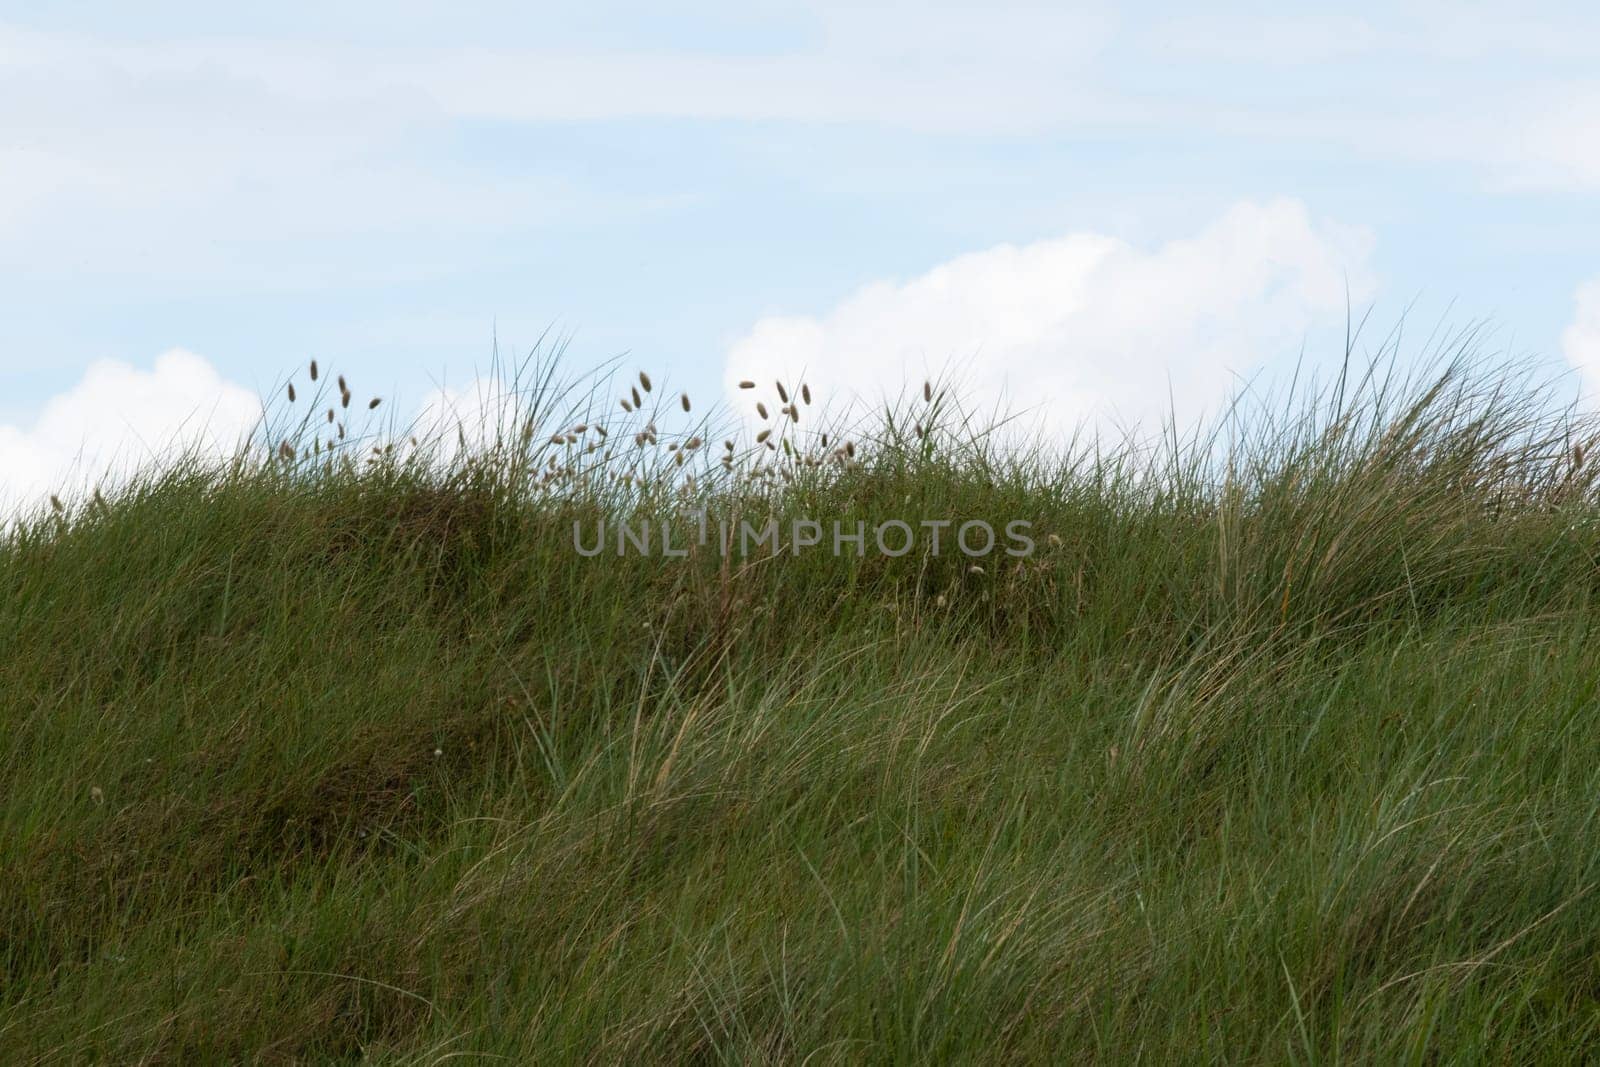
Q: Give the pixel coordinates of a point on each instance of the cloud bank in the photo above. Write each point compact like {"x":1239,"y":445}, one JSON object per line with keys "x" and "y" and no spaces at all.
{"x":116,"y":417}
{"x":1083,"y":329}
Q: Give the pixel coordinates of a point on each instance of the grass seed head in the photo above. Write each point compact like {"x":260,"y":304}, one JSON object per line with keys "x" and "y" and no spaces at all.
{"x":747,"y":384}
{"x":291,"y":392}
{"x":805,"y":392}
{"x":783,"y":394}
{"x":638,"y":401}
{"x":313,"y":370}
{"x":644,"y":380}
{"x":374,"y":402}
{"x":684,"y":399}
{"x":761,"y":409}
{"x":927,"y":391}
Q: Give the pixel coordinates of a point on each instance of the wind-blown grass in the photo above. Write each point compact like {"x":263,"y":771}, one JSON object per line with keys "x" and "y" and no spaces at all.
{"x":1280,"y":747}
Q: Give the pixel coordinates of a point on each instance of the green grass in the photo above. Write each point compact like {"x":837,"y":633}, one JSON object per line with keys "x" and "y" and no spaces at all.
{"x":1281,"y":748}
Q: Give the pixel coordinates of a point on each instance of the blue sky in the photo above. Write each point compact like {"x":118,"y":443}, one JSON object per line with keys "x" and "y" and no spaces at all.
{"x":1076,"y":204}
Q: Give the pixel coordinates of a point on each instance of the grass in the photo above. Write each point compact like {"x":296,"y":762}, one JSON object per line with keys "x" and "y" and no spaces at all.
{"x":1280,"y":748}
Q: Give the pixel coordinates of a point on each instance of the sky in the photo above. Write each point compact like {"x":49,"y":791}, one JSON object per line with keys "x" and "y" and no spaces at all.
{"x":1091,"y":210}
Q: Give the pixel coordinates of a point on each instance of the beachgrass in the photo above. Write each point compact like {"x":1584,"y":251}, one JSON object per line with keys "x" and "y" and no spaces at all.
{"x":1280,"y":746}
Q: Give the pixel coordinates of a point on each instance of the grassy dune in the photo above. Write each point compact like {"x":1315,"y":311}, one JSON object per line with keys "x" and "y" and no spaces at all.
{"x":1281,"y":746}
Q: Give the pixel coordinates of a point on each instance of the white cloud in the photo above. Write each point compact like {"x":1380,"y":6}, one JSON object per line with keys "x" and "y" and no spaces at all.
{"x":1083,"y":327}
{"x":1580,"y":342}
{"x":939,"y":66}
{"x":117,"y":417}
{"x":470,"y":415}
{"x":212,"y":159}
